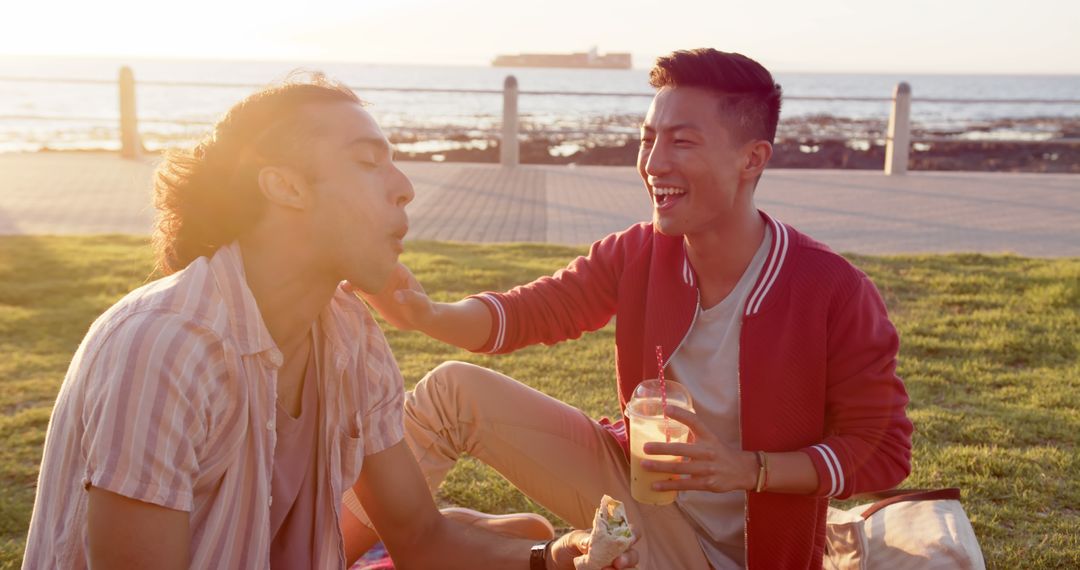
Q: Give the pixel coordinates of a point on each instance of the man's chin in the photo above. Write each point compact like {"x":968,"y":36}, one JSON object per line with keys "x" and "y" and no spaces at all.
{"x":666,"y":228}
{"x":370,"y":284}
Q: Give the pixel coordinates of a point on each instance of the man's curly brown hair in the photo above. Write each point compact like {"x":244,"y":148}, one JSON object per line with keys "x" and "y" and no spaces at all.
{"x":208,"y":195}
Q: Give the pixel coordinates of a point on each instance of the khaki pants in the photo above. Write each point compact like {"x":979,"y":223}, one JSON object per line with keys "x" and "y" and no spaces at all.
{"x":549,"y":450}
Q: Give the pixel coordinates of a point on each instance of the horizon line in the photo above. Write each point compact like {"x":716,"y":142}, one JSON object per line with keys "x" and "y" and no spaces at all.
{"x":243,"y":59}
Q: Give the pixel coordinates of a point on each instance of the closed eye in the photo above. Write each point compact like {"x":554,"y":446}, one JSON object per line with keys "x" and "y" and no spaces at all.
{"x":370,"y":152}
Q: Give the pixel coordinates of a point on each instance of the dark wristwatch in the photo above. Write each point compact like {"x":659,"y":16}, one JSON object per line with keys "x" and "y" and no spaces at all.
{"x":538,"y":555}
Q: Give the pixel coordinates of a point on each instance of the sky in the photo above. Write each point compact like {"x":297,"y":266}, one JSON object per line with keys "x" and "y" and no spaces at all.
{"x":914,"y":36}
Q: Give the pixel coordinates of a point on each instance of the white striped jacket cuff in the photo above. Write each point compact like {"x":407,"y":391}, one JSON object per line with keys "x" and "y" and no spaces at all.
{"x":499,"y":325}
{"x":836,"y":471}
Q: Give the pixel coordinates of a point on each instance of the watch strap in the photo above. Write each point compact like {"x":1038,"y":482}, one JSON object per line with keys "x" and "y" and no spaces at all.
{"x":538,"y":555}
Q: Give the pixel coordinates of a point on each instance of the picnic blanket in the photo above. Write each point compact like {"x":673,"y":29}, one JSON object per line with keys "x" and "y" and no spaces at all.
{"x":374,"y":559}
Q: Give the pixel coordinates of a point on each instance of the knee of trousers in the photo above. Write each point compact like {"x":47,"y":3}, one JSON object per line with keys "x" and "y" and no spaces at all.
{"x":445,"y":386}
{"x":436,"y":404}
{"x":438,"y":408}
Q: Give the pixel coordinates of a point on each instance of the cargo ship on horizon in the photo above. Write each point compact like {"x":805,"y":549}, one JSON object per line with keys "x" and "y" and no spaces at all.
{"x":587,"y":60}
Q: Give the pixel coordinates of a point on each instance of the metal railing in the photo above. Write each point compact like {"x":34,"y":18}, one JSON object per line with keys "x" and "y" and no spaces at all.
{"x":898,"y":139}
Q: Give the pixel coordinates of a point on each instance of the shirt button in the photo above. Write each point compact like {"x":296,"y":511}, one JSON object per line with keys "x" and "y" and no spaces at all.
{"x":270,"y":425}
{"x":271,"y":501}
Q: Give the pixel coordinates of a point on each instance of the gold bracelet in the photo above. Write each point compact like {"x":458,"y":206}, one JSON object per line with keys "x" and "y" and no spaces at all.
{"x":765,"y":483}
{"x":763,"y":473}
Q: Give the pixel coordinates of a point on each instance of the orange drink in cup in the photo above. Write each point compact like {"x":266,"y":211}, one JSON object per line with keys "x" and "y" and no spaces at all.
{"x":648,"y":423}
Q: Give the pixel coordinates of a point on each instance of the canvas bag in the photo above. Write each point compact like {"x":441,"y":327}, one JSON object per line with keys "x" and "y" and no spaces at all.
{"x":906,"y":528}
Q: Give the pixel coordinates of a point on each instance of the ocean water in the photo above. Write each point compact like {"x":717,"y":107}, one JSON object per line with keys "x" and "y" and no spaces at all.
{"x":42,"y":114}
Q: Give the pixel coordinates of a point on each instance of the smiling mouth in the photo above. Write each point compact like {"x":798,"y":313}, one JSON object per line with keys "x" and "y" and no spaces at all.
{"x":665,"y":194}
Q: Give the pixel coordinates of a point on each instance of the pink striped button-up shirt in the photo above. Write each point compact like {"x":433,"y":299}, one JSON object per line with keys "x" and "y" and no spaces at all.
{"x":170,"y":400}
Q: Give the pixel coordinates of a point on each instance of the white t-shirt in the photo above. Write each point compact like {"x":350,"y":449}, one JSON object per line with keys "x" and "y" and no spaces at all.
{"x":707,"y":363}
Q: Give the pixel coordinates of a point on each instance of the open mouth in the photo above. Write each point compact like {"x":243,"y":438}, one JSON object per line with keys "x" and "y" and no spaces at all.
{"x":667,"y":195}
{"x":399,"y":238}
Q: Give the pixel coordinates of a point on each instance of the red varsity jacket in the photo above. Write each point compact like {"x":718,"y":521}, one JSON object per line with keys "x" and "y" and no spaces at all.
{"x":817,"y":361}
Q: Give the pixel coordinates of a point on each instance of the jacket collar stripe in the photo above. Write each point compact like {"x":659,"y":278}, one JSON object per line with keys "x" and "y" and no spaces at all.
{"x":782,"y":236}
{"x":829,"y":465}
{"x":776,"y":259}
{"x":768,"y":270}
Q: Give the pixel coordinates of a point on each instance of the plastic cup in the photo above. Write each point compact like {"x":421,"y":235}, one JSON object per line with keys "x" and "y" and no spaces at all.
{"x":647,"y":423}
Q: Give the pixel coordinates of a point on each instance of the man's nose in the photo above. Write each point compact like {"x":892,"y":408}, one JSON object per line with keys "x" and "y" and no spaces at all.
{"x":658,"y":162}
{"x":405,"y":190}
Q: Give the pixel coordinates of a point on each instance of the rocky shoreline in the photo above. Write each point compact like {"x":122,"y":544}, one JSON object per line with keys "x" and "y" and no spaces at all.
{"x":984,"y":156}
{"x":1048,"y":144}
{"x":823,"y":142}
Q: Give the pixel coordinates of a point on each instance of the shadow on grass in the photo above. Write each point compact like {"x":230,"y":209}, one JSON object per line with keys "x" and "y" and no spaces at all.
{"x":20,"y":405}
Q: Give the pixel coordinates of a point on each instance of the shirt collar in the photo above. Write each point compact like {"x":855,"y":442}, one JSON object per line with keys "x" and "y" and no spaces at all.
{"x":332,"y":325}
{"x":245,"y":320}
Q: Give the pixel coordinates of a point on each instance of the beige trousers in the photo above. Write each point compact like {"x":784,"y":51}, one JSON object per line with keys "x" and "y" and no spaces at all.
{"x":549,"y":450}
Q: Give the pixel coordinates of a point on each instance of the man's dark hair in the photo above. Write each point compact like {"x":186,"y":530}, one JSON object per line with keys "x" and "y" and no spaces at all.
{"x":749,"y":97}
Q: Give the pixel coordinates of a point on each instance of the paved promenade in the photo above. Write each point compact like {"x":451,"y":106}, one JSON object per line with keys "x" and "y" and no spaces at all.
{"x":852,"y":211}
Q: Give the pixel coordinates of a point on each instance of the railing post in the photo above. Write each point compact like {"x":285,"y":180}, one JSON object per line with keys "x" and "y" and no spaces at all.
{"x":508,"y":146}
{"x":898,"y":140}
{"x":130,"y":145}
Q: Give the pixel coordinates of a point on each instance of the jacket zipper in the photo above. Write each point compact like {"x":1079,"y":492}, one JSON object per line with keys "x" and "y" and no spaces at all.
{"x":746,"y":494}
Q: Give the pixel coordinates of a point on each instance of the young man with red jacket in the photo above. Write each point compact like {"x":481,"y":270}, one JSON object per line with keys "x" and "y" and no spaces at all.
{"x":785,"y":347}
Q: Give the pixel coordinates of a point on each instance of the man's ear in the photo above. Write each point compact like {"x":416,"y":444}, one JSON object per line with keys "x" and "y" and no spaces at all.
{"x":756,"y":154}
{"x":283,"y":186}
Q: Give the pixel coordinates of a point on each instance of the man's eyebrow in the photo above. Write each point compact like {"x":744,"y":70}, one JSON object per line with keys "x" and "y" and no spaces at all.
{"x":671,"y":128}
{"x":683,"y":126}
{"x":379,"y":143}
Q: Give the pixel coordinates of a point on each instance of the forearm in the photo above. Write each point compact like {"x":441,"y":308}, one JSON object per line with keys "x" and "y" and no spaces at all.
{"x":358,"y":538}
{"x":394,"y":495}
{"x":788,"y":472}
{"x":465,"y":324}
{"x":450,"y":544}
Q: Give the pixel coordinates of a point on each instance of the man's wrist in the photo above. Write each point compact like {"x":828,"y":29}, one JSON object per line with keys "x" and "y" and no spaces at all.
{"x":751,"y":470}
{"x":763,"y":473}
{"x":426,"y":322}
{"x":540,"y":556}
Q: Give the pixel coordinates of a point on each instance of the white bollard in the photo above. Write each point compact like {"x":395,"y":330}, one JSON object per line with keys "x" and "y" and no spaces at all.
{"x":508,"y":146}
{"x":130,"y":145}
{"x":898,"y":140}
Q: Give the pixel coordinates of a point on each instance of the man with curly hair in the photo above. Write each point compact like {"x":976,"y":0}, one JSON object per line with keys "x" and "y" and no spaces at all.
{"x":214,"y":418}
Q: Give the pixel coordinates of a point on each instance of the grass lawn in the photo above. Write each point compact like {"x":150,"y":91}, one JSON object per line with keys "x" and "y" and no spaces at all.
{"x":990,"y":353}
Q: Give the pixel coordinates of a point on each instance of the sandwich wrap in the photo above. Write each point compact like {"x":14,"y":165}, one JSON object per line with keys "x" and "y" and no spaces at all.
{"x":611,"y":536}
